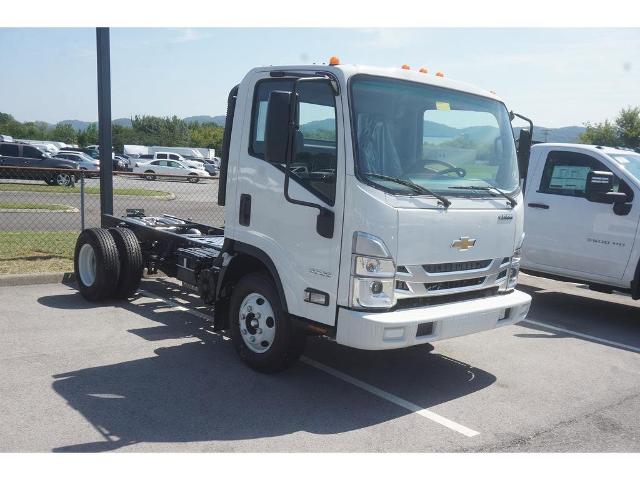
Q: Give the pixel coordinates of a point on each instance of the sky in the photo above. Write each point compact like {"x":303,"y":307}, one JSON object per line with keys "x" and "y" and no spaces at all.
{"x":558,"y":77}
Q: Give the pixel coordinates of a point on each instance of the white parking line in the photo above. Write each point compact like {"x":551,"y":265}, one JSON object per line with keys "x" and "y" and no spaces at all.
{"x":581,"y":335}
{"x":412,"y":407}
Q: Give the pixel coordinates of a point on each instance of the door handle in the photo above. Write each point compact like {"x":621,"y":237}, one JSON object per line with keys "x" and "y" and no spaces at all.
{"x":538,"y":205}
{"x":244,"y":212}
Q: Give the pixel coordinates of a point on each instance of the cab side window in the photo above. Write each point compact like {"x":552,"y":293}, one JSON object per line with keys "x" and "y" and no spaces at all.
{"x":31,"y":152}
{"x":314,"y":160}
{"x":565,"y":173}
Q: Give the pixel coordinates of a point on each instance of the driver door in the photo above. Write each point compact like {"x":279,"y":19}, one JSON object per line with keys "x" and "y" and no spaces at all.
{"x":286,"y":232}
{"x":567,"y":233}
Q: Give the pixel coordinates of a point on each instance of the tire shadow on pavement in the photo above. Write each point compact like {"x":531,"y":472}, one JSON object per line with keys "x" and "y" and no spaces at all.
{"x":198,"y":390}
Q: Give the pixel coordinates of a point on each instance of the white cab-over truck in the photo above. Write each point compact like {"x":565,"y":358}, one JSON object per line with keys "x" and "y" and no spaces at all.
{"x":377,"y":207}
{"x":581,"y":221}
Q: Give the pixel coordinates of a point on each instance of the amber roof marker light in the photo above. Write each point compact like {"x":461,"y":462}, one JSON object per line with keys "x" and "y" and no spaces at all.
{"x":406,"y":67}
{"x":423,"y":70}
{"x":334,"y":61}
{"x":439,"y":74}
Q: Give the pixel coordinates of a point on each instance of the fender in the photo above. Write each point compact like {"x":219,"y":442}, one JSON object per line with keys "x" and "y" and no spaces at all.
{"x":235,"y":246}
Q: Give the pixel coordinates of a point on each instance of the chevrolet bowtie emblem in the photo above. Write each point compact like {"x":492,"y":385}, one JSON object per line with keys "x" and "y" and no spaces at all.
{"x":464,"y":243}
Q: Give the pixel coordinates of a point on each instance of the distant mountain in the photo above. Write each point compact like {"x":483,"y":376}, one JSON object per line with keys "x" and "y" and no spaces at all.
{"x":554,"y":135}
{"x":436,"y":130}
{"x":218,"y":120}
{"x":124,"y":122}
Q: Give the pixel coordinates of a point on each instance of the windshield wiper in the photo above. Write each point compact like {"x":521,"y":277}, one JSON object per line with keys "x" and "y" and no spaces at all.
{"x":512,"y":201}
{"x":413,"y":186}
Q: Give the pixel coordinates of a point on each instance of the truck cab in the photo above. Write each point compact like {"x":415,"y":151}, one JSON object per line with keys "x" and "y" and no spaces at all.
{"x":580,"y":219}
{"x":380,"y":207}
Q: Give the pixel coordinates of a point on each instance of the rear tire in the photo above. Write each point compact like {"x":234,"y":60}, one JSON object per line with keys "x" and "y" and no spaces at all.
{"x":261,"y":331}
{"x":149,"y":175}
{"x":131,"y":263}
{"x":96,"y":264}
{"x":193,"y":178}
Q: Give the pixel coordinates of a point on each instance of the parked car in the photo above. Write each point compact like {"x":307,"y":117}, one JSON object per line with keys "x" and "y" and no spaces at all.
{"x":85,"y":162}
{"x":169,"y":167}
{"x":211,"y":167}
{"x":21,"y":155}
{"x":199,"y":164}
{"x":581,"y":216}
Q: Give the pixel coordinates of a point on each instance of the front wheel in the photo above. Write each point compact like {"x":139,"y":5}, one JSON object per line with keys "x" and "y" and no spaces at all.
{"x":149,"y":175}
{"x":193,"y":178}
{"x":261,"y":331}
{"x":63,"y":179}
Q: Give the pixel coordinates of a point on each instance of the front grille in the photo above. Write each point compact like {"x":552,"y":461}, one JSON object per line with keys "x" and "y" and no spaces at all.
{"x":471,"y":282}
{"x":456,"y":266}
{"x":416,"y":302}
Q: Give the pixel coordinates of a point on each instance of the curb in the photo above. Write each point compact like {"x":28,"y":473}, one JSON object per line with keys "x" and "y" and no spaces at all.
{"x":35,"y":278}
{"x":22,"y":279}
{"x":38,"y":210}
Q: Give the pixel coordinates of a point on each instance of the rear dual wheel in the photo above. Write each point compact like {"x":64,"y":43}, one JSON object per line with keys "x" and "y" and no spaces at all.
{"x":107,"y":263}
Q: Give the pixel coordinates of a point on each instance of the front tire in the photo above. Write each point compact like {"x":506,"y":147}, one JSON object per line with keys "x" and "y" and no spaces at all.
{"x":96,"y":264}
{"x":63,"y":179}
{"x":193,"y":178}
{"x":149,"y":175}
{"x":261,"y":331}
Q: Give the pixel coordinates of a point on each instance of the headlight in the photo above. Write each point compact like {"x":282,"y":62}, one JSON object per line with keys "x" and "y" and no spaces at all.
{"x":514,"y":269}
{"x":372,"y":273}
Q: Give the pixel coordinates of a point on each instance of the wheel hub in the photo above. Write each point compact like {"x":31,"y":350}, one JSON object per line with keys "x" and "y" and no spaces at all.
{"x":257,"y":323}
{"x":87,"y":265}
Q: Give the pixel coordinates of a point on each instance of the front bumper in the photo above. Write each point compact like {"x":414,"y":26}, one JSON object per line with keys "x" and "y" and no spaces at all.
{"x":399,"y":329}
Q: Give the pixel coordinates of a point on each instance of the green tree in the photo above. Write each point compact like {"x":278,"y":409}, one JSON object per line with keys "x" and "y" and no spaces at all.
{"x":63,"y":132}
{"x":628,"y":127}
{"x":600,"y":134}
{"x":88,"y":136}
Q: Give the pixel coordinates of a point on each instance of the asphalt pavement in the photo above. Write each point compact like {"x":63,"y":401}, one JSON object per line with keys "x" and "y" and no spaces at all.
{"x":150,"y":375}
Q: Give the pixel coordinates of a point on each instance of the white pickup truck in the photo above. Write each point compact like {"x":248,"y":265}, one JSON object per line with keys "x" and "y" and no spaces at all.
{"x":581,"y":221}
{"x":379,"y":207}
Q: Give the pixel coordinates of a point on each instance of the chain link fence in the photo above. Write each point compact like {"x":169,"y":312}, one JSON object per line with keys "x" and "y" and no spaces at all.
{"x":42,"y":211}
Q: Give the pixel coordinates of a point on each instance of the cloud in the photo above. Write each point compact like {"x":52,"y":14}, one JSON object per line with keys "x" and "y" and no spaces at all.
{"x":187,"y":35}
{"x":388,"y":37}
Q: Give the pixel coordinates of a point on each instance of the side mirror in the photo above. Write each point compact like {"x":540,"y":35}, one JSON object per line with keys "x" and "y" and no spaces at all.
{"x":599,"y":189}
{"x":524,"y":144}
{"x":276,"y":133}
{"x":524,"y":151}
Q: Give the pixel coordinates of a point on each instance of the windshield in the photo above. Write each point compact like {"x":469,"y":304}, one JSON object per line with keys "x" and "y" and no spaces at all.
{"x":629,"y":161}
{"x":431,"y":136}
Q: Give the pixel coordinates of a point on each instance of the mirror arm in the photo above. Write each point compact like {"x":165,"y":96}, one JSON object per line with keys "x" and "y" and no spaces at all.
{"x":324,"y":226}
{"x":513,"y":114}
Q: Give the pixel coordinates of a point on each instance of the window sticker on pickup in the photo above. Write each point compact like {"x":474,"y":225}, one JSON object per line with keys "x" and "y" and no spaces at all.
{"x":569,"y":177}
